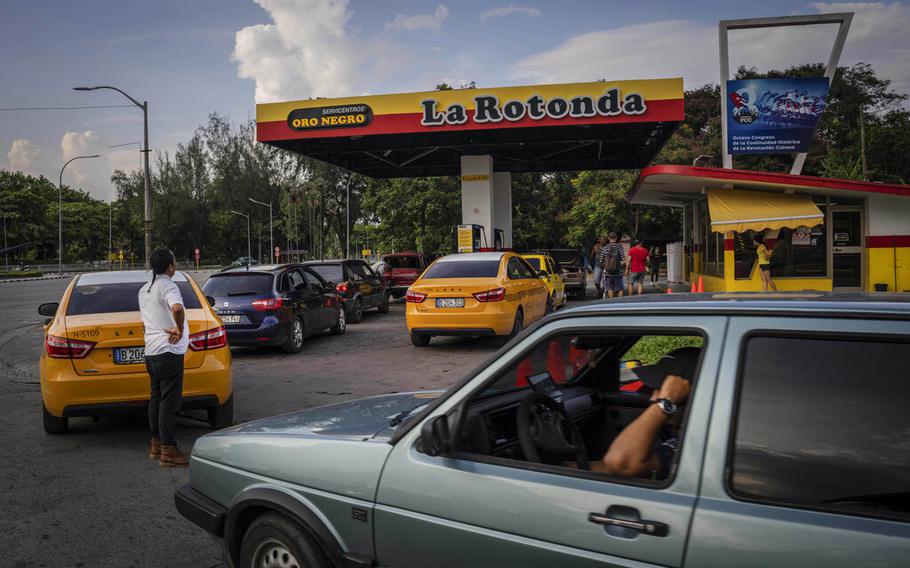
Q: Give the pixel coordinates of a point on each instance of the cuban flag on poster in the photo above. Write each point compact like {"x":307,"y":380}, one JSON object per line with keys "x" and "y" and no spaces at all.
{"x":773,"y":116}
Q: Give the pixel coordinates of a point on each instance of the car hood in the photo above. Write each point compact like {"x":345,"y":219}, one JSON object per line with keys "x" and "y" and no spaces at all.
{"x":373,"y":417}
{"x":340,"y":448}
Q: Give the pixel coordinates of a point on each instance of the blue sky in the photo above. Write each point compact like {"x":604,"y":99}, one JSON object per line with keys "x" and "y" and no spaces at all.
{"x":192,"y":57}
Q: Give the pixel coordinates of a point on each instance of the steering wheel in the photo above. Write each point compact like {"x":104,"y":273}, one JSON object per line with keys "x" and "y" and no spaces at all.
{"x":545,"y":428}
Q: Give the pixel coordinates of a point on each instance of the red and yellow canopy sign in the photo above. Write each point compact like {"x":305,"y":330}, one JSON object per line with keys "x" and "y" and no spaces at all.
{"x":571,"y":104}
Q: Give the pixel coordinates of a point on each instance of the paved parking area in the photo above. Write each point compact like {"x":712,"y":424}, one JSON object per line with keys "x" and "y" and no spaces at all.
{"x":92,"y":498}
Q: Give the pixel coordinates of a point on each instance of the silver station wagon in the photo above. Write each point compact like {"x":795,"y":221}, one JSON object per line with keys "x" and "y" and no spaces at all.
{"x":671,"y":431}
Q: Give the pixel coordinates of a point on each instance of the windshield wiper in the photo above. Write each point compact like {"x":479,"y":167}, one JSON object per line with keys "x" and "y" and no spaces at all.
{"x":244,"y":293}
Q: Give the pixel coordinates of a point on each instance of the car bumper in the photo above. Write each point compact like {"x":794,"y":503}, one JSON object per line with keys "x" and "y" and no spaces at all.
{"x":66,"y":394}
{"x":399,"y":289}
{"x":493,"y":321}
{"x":270,"y":333}
{"x":200,"y":510}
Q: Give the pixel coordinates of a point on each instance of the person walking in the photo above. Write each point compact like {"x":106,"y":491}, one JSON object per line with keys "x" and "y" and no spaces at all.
{"x":595,"y":260}
{"x":611,"y":260}
{"x":764,"y":263}
{"x":654,"y":264}
{"x":166,"y":341}
{"x":636,"y":268}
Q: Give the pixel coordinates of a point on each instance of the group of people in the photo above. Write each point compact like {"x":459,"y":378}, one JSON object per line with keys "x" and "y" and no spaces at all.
{"x":617,"y":270}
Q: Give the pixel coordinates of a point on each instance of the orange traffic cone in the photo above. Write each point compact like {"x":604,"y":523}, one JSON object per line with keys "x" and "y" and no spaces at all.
{"x":701,"y":285}
{"x":669,"y":290}
{"x":694,"y":289}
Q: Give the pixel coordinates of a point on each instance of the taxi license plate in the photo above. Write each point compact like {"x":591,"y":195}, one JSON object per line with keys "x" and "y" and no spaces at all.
{"x":449,"y":302}
{"x":230,"y":319}
{"x":129,"y":355}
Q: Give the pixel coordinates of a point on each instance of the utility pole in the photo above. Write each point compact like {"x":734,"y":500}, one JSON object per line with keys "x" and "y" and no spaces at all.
{"x":249,"y":250}
{"x":5,"y":246}
{"x":347,"y":231}
{"x":862,"y":141}
{"x":110,"y":232}
{"x":60,"y":211}
{"x":271,"y":241}
{"x":144,"y":105}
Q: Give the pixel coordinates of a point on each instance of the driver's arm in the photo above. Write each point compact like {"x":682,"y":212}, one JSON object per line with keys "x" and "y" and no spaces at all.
{"x":632,"y":452}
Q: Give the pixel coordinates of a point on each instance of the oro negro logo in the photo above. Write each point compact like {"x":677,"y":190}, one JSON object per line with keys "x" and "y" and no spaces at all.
{"x":339,"y":116}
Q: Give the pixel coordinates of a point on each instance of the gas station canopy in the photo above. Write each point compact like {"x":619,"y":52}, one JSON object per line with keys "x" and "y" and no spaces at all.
{"x":578,"y":126}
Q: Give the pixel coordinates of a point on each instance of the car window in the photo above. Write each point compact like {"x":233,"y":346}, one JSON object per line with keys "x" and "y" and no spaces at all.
{"x":517,"y":269}
{"x":312,"y":280}
{"x":534,"y":262}
{"x":367,"y":271}
{"x":295,"y":280}
{"x":329,"y":272}
{"x":463,"y":269}
{"x":550,"y":267}
{"x":357,"y":270}
{"x":121,"y":297}
{"x":822,"y":424}
{"x":402,"y":261}
{"x":238,"y":284}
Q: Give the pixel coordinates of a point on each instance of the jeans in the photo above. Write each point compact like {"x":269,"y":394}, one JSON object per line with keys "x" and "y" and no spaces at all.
{"x":166,"y":374}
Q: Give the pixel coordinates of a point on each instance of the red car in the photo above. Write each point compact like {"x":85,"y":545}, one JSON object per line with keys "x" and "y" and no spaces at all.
{"x":401,"y":269}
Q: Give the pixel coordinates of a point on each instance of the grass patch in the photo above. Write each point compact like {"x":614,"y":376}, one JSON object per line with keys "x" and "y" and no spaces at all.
{"x":650,"y":348}
{"x":31,"y":274}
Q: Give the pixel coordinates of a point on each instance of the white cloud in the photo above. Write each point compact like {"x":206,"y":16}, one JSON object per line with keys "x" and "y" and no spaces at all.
{"x":674,"y":48}
{"x":23,"y":156}
{"x":311,"y":50}
{"x":92,"y":175}
{"x":419,"y":21}
{"x":504,"y":11}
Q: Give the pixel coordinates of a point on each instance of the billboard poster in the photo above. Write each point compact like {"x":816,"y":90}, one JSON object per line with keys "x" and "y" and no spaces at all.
{"x":773,"y":116}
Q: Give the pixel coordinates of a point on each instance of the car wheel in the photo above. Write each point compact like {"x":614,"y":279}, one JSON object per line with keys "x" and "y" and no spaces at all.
{"x":551,"y":303}
{"x":519,"y":323}
{"x":275,"y":541}
{"x":384,"y":305}
{"x":54,"y":424}
{"x":357,"y":310}
{"x":294,"y":342}
{"x":222,"y":416}
{"x":420,"y":340}
{"x":341,"y":324}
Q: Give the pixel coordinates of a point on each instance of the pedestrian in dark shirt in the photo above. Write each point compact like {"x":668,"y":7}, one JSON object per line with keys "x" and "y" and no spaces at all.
{"x":654,"y":261}
{"x":611,"y":260}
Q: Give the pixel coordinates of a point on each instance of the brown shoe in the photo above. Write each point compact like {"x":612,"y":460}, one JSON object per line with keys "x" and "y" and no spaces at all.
{"x":173,"y":457}
{"x":155,"y":449}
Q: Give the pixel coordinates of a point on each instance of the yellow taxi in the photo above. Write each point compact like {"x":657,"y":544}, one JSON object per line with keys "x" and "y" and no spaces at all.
{"x":93,"y":358}
{"x":474,"y":294}
{"x":549,"y":273}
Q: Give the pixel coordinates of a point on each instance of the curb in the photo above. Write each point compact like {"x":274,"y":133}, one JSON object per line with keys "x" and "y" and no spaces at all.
{"x":34,"y":279}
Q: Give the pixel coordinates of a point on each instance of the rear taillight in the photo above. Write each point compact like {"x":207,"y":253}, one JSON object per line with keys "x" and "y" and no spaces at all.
{"x":342,"y":287}
{"x":414,"y":297}
{"x":208,"y":339}
{"x":64,"y":348}
{"x":494,"y":295}
{"x":266,"y":304}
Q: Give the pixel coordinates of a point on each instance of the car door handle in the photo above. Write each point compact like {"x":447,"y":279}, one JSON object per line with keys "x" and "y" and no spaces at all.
{"x":652,"y":528}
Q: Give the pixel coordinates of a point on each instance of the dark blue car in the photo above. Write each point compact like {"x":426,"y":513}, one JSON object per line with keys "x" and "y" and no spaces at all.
{"x":274,"y":305}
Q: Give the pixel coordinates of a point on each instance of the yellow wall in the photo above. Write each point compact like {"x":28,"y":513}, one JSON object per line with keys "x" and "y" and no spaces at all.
{"x":730,"y":284}
{"x":880,"y":268}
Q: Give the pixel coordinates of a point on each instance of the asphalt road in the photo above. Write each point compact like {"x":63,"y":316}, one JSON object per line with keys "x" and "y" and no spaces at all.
{"x":92,"y":498}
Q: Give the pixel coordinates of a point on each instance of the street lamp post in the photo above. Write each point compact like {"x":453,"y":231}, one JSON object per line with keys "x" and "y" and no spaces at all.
{"x":60,"y":211}
{"x":249,"y":251}
{"x":110,"y":232}
{"x":148,"y":183}
{"x":269,"y":205}
{"x":5,"y":246}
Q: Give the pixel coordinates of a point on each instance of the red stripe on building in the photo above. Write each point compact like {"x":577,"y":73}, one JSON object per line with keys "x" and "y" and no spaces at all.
{"x":887,"y":241}
{"x":729,"y":244}
{"x":658,"y":111}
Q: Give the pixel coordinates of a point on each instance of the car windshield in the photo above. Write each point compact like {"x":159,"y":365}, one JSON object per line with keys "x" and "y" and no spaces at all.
{"x":121,"y":297}
{"x":534,"y":262}
{"x":330,"y":272}
{"x":463,"y":269}
{"x":234,"y":284}
{"x":402,"y":261}
{"x":566,"y":257}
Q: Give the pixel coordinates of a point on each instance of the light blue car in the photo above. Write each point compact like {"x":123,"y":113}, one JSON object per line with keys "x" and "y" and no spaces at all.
{"x":792,"y":448}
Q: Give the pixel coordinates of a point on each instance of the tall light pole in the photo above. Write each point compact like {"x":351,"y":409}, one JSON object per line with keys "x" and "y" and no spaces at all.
{"x":148,"y":182}
{"x":60,"y":211}
{"x":249,"y":252}
{"x":347,"y":232}
{"x":269,"y":205}
{"x":5,"y":246}
{"x":110,"y":232}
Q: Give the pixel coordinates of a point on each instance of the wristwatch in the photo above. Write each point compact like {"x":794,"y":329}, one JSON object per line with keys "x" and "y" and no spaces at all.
{"x":666,"y":406}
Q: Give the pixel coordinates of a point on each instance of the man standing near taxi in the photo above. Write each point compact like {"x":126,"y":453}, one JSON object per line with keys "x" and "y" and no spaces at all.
{"x":166,"y":341}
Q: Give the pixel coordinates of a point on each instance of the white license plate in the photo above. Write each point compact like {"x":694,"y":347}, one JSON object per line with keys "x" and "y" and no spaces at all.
{"x":129,"y":355}
{"x":230,"y":319}
{"x":449,"y":302}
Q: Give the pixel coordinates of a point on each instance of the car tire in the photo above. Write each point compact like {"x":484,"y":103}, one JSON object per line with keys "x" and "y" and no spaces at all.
{"x":518,"y":324}
{"x":356,"y":311}
{"x":294,"y":342}
{"x":551,"y":305}
{"x":275,"y":540}
{"x":222,"y":416}
{"x":383,"y":307}
{"x":420,"y":340}
{"x":54,"y":424}
{"x":341,"y":324}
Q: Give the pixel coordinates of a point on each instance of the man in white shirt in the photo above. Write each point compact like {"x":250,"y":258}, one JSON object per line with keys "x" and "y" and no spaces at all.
{"x":166,"y":341}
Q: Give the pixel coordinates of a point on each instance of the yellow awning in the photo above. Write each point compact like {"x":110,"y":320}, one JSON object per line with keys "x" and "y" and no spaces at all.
{"x":740,"y":210}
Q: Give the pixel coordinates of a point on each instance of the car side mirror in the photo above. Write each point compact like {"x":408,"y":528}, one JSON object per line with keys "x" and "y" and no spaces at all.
{"x":434,"y":436}
{"x":210,"y":300}
{"x":542,"y":273}
{"x":48,"y":309}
